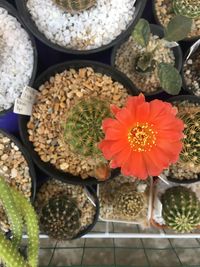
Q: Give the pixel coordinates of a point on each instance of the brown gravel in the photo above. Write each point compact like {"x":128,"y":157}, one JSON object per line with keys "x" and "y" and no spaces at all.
{"x":164,"y":12}
{"x":192,"y":74}
{"x":128,"y":52}
{"x":14,"y":168}
{"x":57,"y":96}
{"x":54,"y":188}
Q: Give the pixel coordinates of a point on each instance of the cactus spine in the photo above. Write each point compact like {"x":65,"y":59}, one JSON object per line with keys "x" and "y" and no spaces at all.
{"x":181,"y":209}
{"x":18,"y":209}
{"x":74,"y":6}
{"x":60,"y":218}
{"x":83,"y":127}
{"x":187,"y":8}
{"x":129,"y":202}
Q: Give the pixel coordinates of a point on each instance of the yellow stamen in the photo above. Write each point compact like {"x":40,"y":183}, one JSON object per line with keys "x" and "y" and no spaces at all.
{"x":142,"y":137}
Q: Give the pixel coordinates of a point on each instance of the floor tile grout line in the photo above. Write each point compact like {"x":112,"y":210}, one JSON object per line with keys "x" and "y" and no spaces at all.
{"x":83,"y":252}
{"x":145,"y":253}
{"x":53,"y":253}
{"x":173,"y":249}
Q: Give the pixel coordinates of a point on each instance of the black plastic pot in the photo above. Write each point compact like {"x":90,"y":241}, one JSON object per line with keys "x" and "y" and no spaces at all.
{"x":28,"y":160}
{"x":156,"y":30}
{"x":159,"y":23}
{"x":192,"y":99}
{"x":13,"y":12}
{"x":24,"y":13}
{"x":48,"y":168}
{"x":185,"y":87}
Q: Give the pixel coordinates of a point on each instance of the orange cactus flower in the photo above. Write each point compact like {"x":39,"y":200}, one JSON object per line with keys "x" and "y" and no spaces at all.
{"x":144,"y":138}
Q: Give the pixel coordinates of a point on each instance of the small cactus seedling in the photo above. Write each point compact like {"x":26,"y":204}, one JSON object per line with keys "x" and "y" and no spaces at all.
{"x":129,"y":202}
{"x":187,"y":8}
{"x":18,"y":210}
{"x":74,"y":6}
{"x":177,"y":29}
{"x":181,"y":209}
{"x":83,"y":127}
{"x":60,"y":218}
{"x":190,"y":155}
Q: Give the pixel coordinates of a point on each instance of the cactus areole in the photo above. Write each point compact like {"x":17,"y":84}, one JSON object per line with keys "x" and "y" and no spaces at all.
{"x":187,"y":8}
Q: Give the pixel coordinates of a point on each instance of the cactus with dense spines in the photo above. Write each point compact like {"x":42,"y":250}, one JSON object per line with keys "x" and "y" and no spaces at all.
{"x":18,"y":209}
{"x":187,"y":8}
{"x":83,"y":126}
{"x":181,"y":209}
{"x":60,"y":218}
{"x":130,"y":202}
{"x":74,"y":6}
{"x":190,"y":154}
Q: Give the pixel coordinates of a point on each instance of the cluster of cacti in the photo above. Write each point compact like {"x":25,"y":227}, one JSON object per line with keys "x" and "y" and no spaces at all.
{"x":83,"y":126}
{"x":187,"y":8}
{"x":60,"y":218}
{"x":169,"y":77}
{"x":129,"y":202}
{"x":18,"y":210}
{"x":190,"y":154}
{"x":180,"y":209}
{"x":74,"y":6}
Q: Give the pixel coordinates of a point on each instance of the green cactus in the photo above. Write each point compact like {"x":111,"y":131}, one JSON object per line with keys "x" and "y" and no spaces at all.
{"x":181,"y":209}
{"x":83,"y":127}
{"x":74,"y":6}
{"x":187,"y":8}
{"x":190,"y":154}
{"x":18,"y":209}
{"x":60,"y":218}
{"x":129,"y":202}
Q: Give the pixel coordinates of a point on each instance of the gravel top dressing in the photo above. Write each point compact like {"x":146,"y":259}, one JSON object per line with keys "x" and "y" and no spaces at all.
{"x":16,"y":61}
{"x":86,"y":30}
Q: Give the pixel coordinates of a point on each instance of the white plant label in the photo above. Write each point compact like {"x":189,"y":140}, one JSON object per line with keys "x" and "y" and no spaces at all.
{"x":193,"y":48}
{"x":158,"y":207}
{"x":23,"y":107}
{"x":29,"y":94}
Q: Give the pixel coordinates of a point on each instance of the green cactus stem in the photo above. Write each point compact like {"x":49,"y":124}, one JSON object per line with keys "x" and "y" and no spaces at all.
{"x":60,"y":218}
{"x":181,"y":209}
{"x":74,"y":6}
{"x":83,"y":127}
{"x":187,"y":8}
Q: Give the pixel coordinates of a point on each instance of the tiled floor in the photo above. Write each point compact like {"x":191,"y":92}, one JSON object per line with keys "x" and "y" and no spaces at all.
{"x":120,"y":252}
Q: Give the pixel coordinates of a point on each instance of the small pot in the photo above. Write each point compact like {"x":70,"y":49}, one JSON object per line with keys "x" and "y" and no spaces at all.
{"x":192,"y":99}
{"x":48,"y":168}
{"x":28,"y":160}
{"x":185,"y":87}
{"x":23,"y":11}
{"x":13,"y":12}
{"x":156,"y":30}
{"x":187,"y":39}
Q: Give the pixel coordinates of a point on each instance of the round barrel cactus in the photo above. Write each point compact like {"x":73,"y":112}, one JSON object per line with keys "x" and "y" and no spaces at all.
{"x":60,"y":218}
{"x":83,"y":129}
{"x":187,"y":8}
{"x":130,"y":203}
{"x":181,"y":209}
{"x":74,"y":6}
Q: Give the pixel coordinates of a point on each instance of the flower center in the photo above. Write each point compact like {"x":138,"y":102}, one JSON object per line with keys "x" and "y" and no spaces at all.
{"x":142,"y":137}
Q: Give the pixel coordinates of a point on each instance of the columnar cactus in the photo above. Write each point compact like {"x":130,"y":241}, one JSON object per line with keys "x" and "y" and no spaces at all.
{"x":18,"y":209}
{"x":74,"y":6}
{"x":130,"y":203}
{"x":190,"y":154}
{"x":187,"y":8}
{"x":83,"y":127}
{"x":181,"y":209}
{"x":60,"y":218}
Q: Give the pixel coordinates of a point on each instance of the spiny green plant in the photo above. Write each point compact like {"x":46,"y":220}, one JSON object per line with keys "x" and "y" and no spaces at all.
{"x":177,"y":29}
{"x":18,"y":210}
{"x":181,"y":209}
{"x":60,"y":218}
{"x":190,"y":154}
{"x":74,"y":6}
{"x":83,"y":126}
{"x":187,"y":8}
{"x":129,"y":202}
